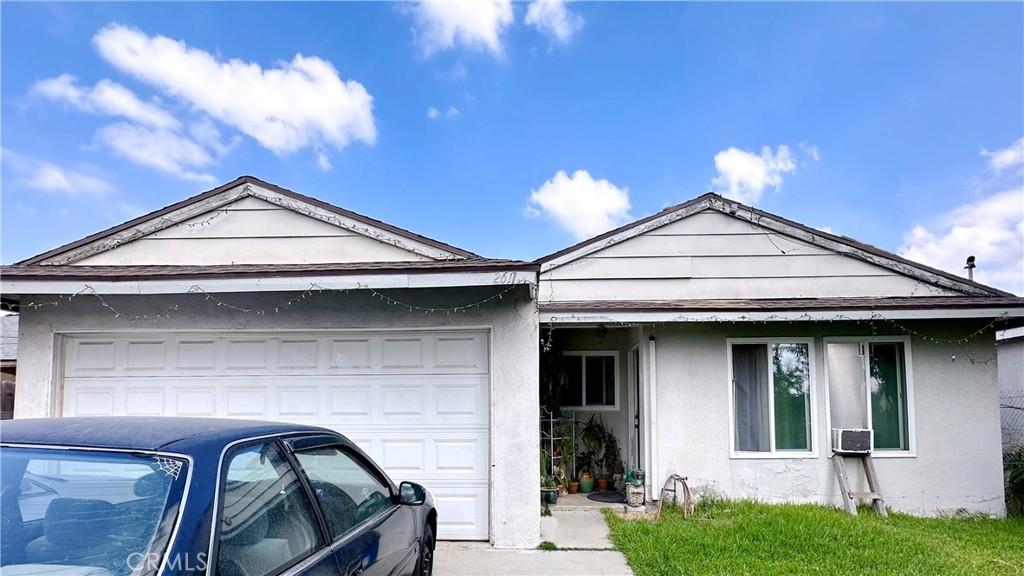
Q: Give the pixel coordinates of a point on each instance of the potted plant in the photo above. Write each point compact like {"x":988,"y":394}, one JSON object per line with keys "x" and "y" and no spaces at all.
{"x":586,"y":477}
{"x":548,"y":486}
{"x":593,"y":437}
{"x":567,"y":448}
{"x":548,"y":490}
{"x":611,"y":458}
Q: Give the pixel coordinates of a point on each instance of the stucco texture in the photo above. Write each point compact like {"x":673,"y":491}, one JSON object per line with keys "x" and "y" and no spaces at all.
{"x":955,"y":405}
{"x":512,"y":321}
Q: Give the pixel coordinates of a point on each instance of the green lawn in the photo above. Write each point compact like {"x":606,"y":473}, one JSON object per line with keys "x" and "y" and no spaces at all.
{"x":730,"y":537}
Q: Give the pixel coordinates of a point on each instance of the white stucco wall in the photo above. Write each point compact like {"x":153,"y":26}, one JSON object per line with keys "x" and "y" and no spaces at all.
{"x":512,"y":320}
{"x":957,"y":462}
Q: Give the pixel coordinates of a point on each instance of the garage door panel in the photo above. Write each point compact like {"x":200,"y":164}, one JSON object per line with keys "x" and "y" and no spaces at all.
{"x":146,"y":356}
{"x":463,"y":509}
{"x":297,"y":403}
{"x":350,"y":403}
{"x":301,"y":354}
{"x":144,"y":401}
{"x":402,"y":353}
{"x":462,"y":352}
{"x":248,"y":401}
{"x":195,"y":355}
{"x":96,"y":400}
{"x":350,"y":354}
{"x":93,"y":356}
{"x":193,"y":400}
{"x":416,"y":402}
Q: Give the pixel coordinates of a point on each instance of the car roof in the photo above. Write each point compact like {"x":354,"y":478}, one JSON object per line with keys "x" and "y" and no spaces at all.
{"x":142,"y":433}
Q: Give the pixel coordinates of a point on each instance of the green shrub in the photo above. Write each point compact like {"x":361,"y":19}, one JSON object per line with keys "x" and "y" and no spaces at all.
{"x":1015,"y":483}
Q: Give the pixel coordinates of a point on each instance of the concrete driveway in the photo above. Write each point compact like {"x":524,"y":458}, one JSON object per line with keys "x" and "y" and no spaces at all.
{"x":580,"y":534}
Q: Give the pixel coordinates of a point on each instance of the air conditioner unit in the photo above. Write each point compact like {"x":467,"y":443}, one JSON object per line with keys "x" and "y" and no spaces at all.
{"x":852,"y":440}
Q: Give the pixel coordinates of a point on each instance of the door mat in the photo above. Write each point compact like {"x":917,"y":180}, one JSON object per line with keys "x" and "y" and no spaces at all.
{"x":608,"y":496}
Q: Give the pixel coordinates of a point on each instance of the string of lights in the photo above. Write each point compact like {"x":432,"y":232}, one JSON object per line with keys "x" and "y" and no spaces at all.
{"x":548,"y":342}
{"x":274,"y":308}
{"x":446,"y":310}
{"x":873,"y":320}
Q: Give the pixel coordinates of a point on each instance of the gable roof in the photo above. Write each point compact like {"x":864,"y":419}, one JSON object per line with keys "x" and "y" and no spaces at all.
{"x":777,"y":225}
{"x":122,"y":233}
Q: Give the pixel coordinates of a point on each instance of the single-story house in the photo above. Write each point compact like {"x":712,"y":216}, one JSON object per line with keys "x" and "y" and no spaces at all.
{"x":724,"y":343}
{"x":719,"y":342}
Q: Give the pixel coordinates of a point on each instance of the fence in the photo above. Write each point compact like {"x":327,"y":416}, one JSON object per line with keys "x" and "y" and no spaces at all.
{"x":1011,"y":409}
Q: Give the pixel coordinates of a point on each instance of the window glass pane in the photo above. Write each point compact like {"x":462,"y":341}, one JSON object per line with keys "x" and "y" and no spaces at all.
{"x":846,"y":385}
{"x":750,"y":393}
{"x":267,"y":522}
{"x":347,"y":493}
{"x":609,"y":380}
{"x":888,"y":396}
{"x":78,"y":509}
{"x":573,"y":392}
{"x":792,"y":382}
{"x":600,"y":375}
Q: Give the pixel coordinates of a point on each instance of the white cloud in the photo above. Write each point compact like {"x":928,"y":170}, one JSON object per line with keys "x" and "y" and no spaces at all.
{"x":745,"y":175}
{"x":107,"y":98}
{"x":53,"y":179}
{"x":473,"y":24}
{"x":811,"y":150}
{"x":450,"y":114}
{"x":991,"y":229}
{"x":298,"y":104}
{"x":552,"y":18}
{"x":583,"y":206}
{"x":323,"y":161}
{"x":1005,"y":158}
{"x":157,"y":148}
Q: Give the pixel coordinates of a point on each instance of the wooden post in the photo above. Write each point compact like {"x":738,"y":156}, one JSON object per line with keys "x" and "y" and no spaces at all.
{"x":849,"y":496}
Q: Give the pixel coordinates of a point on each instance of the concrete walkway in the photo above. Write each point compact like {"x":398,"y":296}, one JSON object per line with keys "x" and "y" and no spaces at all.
{"x":579,"y":532}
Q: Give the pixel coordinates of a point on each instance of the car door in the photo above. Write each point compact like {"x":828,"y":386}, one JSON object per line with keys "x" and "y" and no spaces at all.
{"x":372,"y":534}
{"x":267,"y":523}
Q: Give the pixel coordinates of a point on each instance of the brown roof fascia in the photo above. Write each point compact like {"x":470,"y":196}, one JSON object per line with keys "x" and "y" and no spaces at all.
{"x":783,"y":304}
{"x":234,"y":183}
{"x":144,"y":273}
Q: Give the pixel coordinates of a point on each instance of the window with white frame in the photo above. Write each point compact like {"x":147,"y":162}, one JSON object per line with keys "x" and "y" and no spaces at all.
{"x":772,"y":395}
{"x":591,"y":380}
{"x":869,"y":387}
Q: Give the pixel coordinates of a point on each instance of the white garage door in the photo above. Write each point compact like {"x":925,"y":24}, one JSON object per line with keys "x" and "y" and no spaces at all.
{"x":417,"y":402}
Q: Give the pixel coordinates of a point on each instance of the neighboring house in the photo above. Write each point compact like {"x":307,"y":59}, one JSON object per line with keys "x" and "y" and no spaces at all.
{"x":8,"y":363}
{"x":722,"y":343}
{"x":252,"y":301}
{"x":1010,"y":346}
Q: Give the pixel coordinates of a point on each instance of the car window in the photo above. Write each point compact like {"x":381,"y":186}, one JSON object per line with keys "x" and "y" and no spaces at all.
{"x":348,"y":493}
{"x":267,"y":522}
{"x":86,"y":509}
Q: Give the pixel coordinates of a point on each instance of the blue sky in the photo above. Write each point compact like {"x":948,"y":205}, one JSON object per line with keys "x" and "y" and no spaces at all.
{"x":516,"y":129}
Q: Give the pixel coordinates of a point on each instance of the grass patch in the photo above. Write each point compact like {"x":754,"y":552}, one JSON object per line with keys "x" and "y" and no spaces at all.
{"x":549,"y":546}
{"x":742,"y":537}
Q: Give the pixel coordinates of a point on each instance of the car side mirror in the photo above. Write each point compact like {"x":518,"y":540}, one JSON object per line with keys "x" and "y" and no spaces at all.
{"x":411,"y":493}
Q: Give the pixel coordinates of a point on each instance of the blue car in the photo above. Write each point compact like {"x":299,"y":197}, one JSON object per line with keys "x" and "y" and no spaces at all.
{"x":139,"y":496}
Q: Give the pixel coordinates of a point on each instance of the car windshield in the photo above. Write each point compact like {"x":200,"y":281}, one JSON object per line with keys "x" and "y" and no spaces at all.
{"x":89,"y":512}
